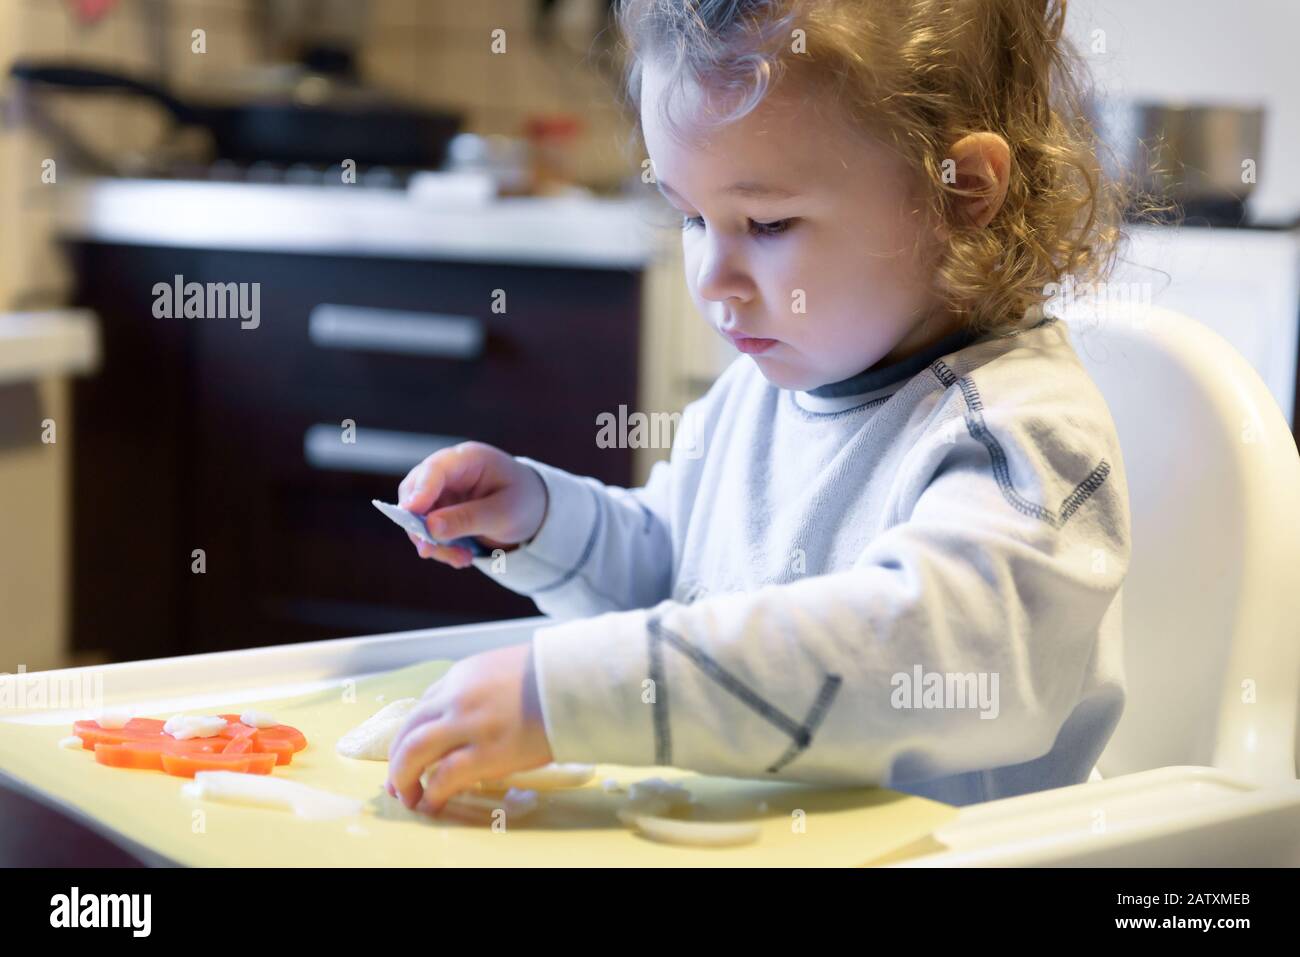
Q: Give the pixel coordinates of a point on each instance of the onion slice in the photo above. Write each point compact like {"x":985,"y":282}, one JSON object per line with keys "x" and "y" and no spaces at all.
{"x":256,"y":790}
{"x":549,"y":777}
{"x":671,"y":830}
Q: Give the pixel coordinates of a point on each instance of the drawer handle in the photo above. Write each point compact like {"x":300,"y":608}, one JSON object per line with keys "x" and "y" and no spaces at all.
{"x":362,"y":328}
{"x":375,"y":450}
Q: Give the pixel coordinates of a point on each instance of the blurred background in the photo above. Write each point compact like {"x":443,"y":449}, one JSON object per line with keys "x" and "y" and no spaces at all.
{"x":439,"y":210}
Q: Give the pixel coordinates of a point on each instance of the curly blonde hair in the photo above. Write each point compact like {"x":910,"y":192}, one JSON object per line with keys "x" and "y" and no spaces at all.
{"x":919,"y":75}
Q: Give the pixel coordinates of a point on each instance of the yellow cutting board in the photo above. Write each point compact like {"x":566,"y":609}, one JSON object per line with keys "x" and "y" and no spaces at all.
{"x":802,"y":825}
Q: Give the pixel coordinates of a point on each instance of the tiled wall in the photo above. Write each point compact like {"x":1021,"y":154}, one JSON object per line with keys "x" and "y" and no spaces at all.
{"x":431,"y":51}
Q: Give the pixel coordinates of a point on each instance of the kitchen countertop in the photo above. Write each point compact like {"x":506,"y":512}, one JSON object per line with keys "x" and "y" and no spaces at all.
{"x":576,"y":232}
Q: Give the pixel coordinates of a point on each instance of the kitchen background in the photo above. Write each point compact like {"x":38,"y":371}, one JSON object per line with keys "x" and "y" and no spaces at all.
{"x":176,"y":487}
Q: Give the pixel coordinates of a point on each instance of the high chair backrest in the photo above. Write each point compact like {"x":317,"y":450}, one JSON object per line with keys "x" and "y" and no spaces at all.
{"x":1211,"y":605}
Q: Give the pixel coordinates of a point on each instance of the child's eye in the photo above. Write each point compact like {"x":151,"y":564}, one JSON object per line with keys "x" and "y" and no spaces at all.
{"x":775,"y":228}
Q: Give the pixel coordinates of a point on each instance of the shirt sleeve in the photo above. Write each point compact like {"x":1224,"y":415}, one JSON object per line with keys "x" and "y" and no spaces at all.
{"x":599,"y":548}
{"x":1006,"y":552}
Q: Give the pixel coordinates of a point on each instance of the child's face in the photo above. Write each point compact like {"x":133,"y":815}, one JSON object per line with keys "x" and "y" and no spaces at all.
{"x":799,"y":231}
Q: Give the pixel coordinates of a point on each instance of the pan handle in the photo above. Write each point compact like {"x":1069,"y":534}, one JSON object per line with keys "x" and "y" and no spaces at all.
{"x":90,"y":79}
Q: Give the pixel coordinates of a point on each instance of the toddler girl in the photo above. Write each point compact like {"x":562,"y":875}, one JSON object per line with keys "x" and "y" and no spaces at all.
{"x":889,"y":543}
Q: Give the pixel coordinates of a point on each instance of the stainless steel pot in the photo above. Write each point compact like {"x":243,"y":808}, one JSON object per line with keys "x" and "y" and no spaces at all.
{"x":1201,"y":157}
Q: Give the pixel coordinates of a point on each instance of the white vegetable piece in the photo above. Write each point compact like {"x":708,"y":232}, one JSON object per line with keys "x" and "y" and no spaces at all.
{"x":649,"y":803}
{"x":257,"y":719}
{"x":71,"y":742}
{"x":653,"y":797}
{"x":520,"y":802}
{"x":668,"y":830}
{"x":645,"y":807}
{"x":114,"y":718}
{"x":549,"y":777}
{"x":370,"y":740}
{"x":673,"y":794}
{"x":257,"y":790}
{"x":185,"y":726}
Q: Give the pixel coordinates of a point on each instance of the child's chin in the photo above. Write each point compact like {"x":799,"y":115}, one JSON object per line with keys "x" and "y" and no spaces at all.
{"x":784,"y":376}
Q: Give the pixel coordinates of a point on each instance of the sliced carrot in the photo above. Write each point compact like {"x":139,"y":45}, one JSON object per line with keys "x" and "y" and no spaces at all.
{"x":143,"y":745}
{"x":92,"y":734}
{"x":185,"y":765}
{"x":281,"y":748}
{"x":283,"y":732}
{"x":147,"y":755}
{"x":134,"y":755}
{"x":243,"y":742}
{"x":234,"y":727}
{"x":137,"y":729}
{"x":146,"y":725}
{"x":91,"y":737}
{"x":276,"y":732}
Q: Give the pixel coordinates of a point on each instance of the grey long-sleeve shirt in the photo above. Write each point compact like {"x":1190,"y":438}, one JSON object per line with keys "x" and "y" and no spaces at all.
{"x":909,"y":578}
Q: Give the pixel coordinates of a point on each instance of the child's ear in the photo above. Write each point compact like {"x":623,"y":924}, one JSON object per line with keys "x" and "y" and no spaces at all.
{"x":981,"y":162}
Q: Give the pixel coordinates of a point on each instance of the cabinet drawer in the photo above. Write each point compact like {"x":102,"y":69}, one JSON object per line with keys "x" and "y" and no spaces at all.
{"x":407,"y":329}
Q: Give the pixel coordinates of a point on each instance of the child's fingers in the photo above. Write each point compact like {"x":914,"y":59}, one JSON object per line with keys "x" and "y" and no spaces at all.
{"x":418,"y":749}
{"x":424,"y":711}
{"x":407,"y":484}
{"x":417,"y":479}
{"x":488,"y":517}
{"x":454,"y":469}
{"x":423,"y":484}
{"x":456,"y":772}
{"x":452,"y":555}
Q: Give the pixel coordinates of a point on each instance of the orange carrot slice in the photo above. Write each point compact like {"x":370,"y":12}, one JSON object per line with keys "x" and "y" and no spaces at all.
{"x":185,"y":765}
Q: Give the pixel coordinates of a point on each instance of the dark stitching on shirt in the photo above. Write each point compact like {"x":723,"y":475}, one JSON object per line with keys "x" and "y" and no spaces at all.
{"x":646,"y":514}
{"x":823,"y":416}
{"x":800,"y":734}
{"x":1001,"y":471}
{"x":943,"y":373}
{"x":977,"y":427}
{"x":1084,"y":490}
{"x":658,"y":681}
{"x":586,"y":549}
{"x":830,"y":687}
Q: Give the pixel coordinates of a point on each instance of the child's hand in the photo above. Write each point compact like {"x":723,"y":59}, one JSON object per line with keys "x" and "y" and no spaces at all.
{"x":473,"y":489}
{"x":481,"y":721}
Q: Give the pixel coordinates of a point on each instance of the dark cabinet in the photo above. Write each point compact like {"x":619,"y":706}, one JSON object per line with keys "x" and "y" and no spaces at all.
{"x":198,"y":434}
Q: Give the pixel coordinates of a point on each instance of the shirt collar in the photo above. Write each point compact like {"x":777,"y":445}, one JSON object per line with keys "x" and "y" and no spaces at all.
{"x":878,"y":376}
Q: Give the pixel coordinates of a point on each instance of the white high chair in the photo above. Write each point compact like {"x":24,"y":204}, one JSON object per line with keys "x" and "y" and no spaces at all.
{"x":1202,"y":767}
{"x":1212,"y":599}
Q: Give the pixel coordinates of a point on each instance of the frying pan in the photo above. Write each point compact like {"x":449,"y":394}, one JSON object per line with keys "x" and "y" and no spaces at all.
{"x":348,"y":122}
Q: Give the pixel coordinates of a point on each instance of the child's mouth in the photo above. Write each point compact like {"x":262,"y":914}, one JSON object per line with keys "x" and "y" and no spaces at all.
{"x":750,"y":344}
{"x":754,"y":346}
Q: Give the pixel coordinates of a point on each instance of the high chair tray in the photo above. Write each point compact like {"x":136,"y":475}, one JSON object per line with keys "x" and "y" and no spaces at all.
{"x":1169,"y":816}
{"x":326,"y":688}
